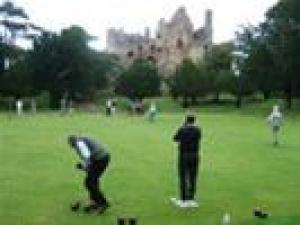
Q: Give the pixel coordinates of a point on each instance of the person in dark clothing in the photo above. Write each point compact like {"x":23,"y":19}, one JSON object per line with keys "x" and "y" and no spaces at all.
{"x":94,"y":161}
{"x":188,"y":138}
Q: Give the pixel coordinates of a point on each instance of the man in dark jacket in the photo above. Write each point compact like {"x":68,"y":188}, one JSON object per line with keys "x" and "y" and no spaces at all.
{"x":188,"y":137}
{"x":94,"y":160}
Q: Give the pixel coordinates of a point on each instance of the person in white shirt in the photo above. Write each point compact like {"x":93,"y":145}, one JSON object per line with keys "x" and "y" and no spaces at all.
{"x":94,"y":159}
{"x":275,"y":121}
{"x":113,"y":106}
{"x":108,"y":107}
{"x":19,"y":106}
{"x":152,"y":112}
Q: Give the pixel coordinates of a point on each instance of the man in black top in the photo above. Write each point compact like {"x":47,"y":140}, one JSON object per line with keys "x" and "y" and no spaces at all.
{"x":188,"y":137}
{"x":94,"y":161}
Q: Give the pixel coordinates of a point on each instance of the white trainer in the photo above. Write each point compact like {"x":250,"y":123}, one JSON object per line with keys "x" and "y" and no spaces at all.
{"x":191,"y":204}
{"x":179,"y":203}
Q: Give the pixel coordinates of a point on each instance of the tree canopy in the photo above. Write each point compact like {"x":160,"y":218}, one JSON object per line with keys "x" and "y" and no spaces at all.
{"x":140,"y":80}
{"x":65,"y":65}
{"x":274,"y":51}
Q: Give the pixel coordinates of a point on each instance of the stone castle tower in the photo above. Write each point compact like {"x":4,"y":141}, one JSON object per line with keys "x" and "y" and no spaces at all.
{"x":174,"y":40}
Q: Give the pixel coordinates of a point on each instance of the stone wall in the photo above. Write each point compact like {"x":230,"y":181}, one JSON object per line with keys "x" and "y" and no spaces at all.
{"x":174,"y":40}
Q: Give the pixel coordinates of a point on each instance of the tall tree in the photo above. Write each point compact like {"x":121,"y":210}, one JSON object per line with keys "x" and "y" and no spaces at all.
{"x":140,"y":80}
{"x":18,"y":80}
{"x":66,"y":66}
{"x":189,"y":82}
{"x":6,"y":52}
{"x":218,"y":62}
{"x":261,"y":68}
{"x":283,"y":31}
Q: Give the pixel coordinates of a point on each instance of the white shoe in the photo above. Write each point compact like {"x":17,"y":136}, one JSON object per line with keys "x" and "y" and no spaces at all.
{"x":179,"y":203}
{"x":191,"y":204}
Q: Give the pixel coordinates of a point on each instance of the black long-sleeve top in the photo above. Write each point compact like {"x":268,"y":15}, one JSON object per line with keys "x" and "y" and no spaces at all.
{"x":188,"y":137}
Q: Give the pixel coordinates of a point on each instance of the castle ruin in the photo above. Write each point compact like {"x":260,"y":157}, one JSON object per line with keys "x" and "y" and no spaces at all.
{"x":175,"y":40}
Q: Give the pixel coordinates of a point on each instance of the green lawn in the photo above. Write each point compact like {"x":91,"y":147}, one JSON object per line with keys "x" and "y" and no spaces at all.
{"x":240,"y":169}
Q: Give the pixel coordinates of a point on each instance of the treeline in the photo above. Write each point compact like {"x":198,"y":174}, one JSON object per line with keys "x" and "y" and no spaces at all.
{"x":273,"y":50}
{"x":63,"y":65}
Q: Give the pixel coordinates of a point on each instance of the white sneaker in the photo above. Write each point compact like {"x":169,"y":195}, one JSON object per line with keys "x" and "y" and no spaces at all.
{"x":191,"y":204}
{"x":179,"y":203}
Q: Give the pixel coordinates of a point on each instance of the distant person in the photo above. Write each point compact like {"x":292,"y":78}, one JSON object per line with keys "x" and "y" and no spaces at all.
{"x":63,"y":105}
{"x":70,"y":106}
{"x":113,"y":106}
{"x":275,"y":121}
{"x":19,"y":107}
{"x":94,"y":161}
{"x":152,"y":112}
{"x":188,"y":138}
{"x":108,"y":107}
{"x":33,"y":105}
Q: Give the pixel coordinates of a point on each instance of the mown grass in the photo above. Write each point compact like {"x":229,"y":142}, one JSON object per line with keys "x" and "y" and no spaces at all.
{"x":240,"y":168}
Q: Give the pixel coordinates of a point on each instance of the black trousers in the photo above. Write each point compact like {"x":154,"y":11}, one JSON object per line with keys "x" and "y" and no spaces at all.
{"x":188,"y":171}
{"x":92,"y":180}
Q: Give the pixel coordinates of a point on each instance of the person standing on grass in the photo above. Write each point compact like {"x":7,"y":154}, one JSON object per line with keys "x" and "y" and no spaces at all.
{"x":109,"y":107}
{"x":19,"y":107}
{"x":188,"y":138}
{"x":275,"y":121}
{"x":94,"y":161}
{"x":152,"y":112}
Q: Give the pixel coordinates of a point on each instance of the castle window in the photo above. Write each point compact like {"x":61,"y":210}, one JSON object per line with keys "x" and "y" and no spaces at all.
{"x":205,"y":47}
{"x":159,"y":49}
{"x":158,"y":35}
{"x":179,"y":43}
{"x":130,"y":54}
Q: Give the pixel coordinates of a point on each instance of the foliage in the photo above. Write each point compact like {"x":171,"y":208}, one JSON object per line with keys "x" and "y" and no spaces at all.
{"x":66,"y":66}
{"x":19,"y":72}
{"x":283,"y":27}
{"x":260,"y":68}
{"x":18,"y":80}
{"x":218,"y":63}
{"x":140,"y":80}
{"x":189,"y":81}
{"x":274,"y":51}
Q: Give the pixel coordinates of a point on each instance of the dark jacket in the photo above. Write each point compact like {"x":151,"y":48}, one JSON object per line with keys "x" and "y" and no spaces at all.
{"x":188,"y":137}
{"x":97,"y":150}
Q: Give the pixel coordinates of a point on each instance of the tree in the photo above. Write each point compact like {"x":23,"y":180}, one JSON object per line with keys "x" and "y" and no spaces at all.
{"x":260,"y":67}
{"x":283,"y":31}
{"x":140,"y":80}
{"x":3,"y":53}
{"x":218,"y":63}
{"x":66,"y":66}
{"x":18,"y":80}
{"x":14,"y":70}
{"x":189,"y":82}
{"x":16,"y":53}
{"x":274,"y":51}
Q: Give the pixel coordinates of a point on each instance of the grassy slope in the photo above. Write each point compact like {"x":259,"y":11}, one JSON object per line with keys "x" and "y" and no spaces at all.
{"x":240,"y":169}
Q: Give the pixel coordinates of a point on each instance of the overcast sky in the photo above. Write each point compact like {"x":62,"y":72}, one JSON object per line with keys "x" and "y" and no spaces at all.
{"x":133,"y":15}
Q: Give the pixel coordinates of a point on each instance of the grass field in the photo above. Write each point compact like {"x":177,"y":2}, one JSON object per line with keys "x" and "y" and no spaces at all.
{"x":240,"y":169}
